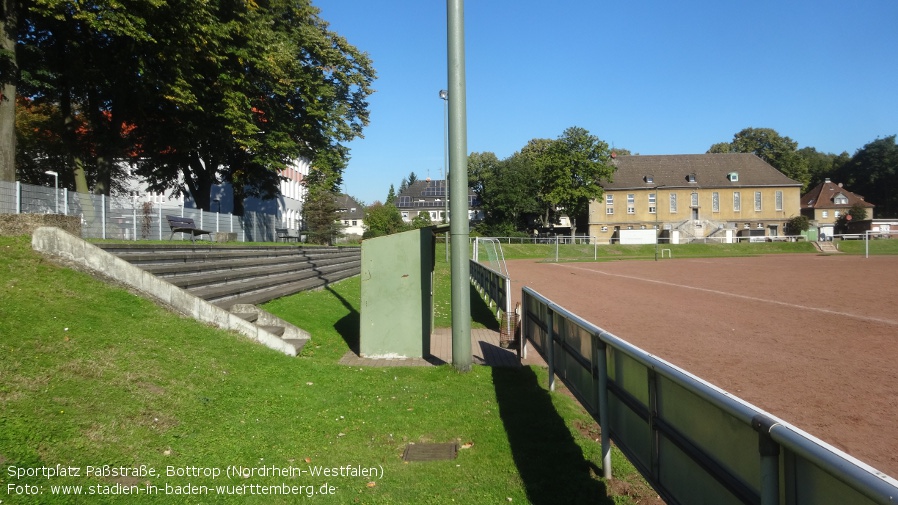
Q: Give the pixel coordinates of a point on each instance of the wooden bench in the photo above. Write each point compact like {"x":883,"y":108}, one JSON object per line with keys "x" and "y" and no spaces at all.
{"x":285,"y":235}
{"x":185,"y":225}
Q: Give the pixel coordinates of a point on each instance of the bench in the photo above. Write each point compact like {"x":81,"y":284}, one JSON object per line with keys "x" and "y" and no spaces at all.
{"x":185,"y":225}
{"x":286,"y":235}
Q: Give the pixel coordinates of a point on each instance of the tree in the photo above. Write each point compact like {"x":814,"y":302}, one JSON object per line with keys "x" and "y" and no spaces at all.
{"x":821,"y":166}
{"x":873,"y":173}
{"x":391,"y":196}
{"x":9,"y":73}
{"x":797,"y":225}
{"x":422,"y":220}
{"x":855,"y":214}
{"x":575,"y":164}
{"x":320,"y":211}
{"x":382,"y":219}
{"x":199,"y":92}
{"x":770,"y":146}
{"x":507,"y":191}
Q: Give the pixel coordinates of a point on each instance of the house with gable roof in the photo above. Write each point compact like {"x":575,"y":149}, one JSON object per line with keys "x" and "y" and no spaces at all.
{"x":825,"y":203}
{"x":695,"y":197}
{"x":431,"y":197}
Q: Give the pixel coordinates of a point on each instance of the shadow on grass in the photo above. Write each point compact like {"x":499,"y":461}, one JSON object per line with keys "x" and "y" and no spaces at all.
{"x":481,"y":312}
{"x":348,"y":325}
{"x":549,"y":461}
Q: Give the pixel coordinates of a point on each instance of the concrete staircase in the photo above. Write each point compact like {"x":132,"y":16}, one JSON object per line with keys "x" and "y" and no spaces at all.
{"x":236,"y":278}
{"x":827,"y":247}
{"x":241,"y":275}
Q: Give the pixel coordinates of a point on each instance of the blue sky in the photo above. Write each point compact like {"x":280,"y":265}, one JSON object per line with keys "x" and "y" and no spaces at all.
{"x":650,"y":76}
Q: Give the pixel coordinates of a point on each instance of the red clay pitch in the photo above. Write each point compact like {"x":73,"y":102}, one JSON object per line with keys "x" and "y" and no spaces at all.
{"x":812,"y":339}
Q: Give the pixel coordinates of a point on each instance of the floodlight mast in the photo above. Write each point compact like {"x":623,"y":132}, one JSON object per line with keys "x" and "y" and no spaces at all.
{"x":458,"y":200}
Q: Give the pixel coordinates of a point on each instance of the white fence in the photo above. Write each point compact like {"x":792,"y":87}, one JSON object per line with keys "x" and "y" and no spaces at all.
{"x":125,"y":218}
{"x":693,"y":441}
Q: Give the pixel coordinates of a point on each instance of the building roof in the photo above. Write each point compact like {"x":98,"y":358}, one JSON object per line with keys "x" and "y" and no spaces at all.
{"x":695,"y":171}
{"x":824,"y":196}
{"x":348,"y":208}
{"x":429,"y":194}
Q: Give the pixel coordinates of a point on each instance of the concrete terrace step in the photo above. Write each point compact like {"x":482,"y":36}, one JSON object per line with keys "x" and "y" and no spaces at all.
{"x":270,"y":293}
{"x":166,"y":269}
{"x":197,"y":279}
{"x":228,"y":275}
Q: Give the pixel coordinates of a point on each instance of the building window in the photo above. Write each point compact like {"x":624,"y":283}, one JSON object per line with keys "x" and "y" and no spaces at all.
{"x":737,"y":202}
{"x":604,"y":229}
{"x":653,"y":206}
{"x":747,"y":226}
{"x":631,"y":210}
{"x":653,"y":209}
{"x":695,"y":199}
{"x":715,"y":202}
{"x":757,"y":201}
{"x":631,"y":198}
{"x":837,"y":213}
{"x":609,"y":210}
{"x":673,"y":203}
{"x":825,"y":213}
{"x":841,"y":200}
{"x":609,"y":199}
{"x":779,"y":200}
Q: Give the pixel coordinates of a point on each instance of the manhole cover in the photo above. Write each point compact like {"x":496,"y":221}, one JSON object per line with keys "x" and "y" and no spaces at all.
{"x":429,"y":452}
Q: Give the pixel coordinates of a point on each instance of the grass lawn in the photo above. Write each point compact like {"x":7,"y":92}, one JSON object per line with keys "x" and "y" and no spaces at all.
{"x":98,"y":380}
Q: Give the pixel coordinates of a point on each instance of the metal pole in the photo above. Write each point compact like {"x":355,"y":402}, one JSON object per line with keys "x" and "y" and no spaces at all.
{"x":444,"y":95}
{"x":458,"y":170}
{"x":600,"y":359}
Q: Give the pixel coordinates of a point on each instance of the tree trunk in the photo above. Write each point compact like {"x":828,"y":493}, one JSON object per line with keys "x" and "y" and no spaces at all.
{"x":9,"y":75}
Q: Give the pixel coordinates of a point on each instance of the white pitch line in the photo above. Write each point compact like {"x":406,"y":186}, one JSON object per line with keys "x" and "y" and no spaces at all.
{"x":752,"y":298}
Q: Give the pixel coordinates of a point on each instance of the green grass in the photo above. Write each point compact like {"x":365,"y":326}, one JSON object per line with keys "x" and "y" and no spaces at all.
{"x":588,"y":252}
{"x":93,"y":375}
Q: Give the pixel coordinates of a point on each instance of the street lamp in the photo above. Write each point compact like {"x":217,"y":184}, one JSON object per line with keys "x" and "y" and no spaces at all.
{"x":55,"y":186}
{"x":444,"y":96}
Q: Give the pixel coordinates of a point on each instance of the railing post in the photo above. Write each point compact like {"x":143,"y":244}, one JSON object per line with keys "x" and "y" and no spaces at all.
{"x":550,"y":347}
{"x":65,"y":201}
{"x":103,"y":216}
{"x":600,"y":369}
{"x":770,"y":459}
{"x":18,"y":197}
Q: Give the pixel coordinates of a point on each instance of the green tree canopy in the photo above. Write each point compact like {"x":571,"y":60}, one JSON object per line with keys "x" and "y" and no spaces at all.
{"x":383,"y":219}
{"x":873,"y":173}
{"x":199,"y":92}
{"x":781,"y":152}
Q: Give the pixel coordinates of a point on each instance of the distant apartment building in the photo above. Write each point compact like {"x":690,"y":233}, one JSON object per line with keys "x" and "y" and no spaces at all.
{"x":431,"y":197}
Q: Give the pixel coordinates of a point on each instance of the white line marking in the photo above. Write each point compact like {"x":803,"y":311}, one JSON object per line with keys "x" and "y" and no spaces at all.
{"x":752,"y":298}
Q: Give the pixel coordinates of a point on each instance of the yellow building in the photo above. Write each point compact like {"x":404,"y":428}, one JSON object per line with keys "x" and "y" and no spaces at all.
{"x":689,"y":197}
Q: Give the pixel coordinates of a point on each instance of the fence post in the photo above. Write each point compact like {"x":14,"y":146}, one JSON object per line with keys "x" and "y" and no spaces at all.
{"x":600,"y":369}
{"x":134,"y":221}
{"x":556,"y":248}
{"x":18,"y":197}
{"x":160,"y":220}
{"x":770,"y":458}
{"x":550,"y":347}
{"x":103,"y":216}
{"x":65,"y":201}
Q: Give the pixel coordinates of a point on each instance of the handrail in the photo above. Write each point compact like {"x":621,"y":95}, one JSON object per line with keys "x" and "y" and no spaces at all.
{"x":637,"y":399}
